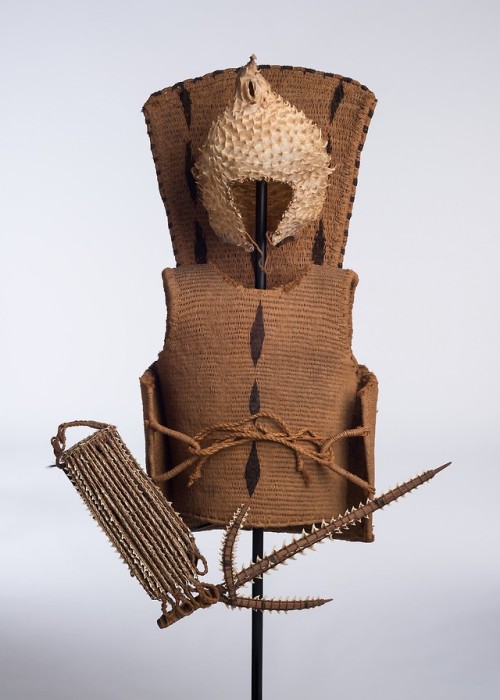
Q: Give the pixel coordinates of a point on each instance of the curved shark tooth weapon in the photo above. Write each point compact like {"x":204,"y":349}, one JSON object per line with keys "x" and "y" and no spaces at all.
{"x":262,"y":137}
{"x":299,"y":545}
{"x":159,"y":548}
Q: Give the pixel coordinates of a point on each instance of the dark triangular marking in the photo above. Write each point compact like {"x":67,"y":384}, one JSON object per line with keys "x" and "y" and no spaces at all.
{"x":257,"y":334}
{"x":252,"y":470}
{"x":188,"y":168}
{"x":329,"y":146}
{"x":319,"y":246}
{"x":185,"y":98}
{"x":337,"y":98}
{"x":254,"y":401}
{"x":200,"y":246}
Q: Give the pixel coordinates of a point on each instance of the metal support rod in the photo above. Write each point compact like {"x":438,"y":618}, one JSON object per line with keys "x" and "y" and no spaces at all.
{"x":257,"y":620}
{"x":260,"y":233}
{"x":258,"y":534}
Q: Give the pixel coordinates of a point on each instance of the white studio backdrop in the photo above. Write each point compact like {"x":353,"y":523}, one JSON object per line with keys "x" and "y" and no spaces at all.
{"x":84,"y":240}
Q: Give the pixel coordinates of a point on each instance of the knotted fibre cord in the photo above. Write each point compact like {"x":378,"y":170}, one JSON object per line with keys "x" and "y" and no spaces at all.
{"x":304,"y":443}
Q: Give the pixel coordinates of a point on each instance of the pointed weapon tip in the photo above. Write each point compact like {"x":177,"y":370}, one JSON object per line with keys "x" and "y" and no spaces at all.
{"x":440,"y":469}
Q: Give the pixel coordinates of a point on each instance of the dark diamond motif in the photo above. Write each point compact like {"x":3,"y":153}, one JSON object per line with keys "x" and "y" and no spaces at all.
{"x":252,"y":470}
{"x":254,"y":402}
{"x":188,"y":167}
{"x":200,"y":246}
{"x":319,"y":246}
{"x":185,"y":98}
{"x":257,"y":334}
{"x":337,"y":98}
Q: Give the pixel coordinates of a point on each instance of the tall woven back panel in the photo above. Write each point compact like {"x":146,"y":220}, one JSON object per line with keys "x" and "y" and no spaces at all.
{"x":178,"y":120}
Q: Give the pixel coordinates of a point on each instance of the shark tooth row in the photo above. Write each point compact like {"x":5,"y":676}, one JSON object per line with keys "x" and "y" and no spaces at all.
{"x":297,"y":546}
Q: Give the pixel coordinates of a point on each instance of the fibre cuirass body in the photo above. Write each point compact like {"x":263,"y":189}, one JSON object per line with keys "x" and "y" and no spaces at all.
{"x":283,"y":354}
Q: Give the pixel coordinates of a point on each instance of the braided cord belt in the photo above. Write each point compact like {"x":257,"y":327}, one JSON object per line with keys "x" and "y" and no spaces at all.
{"x":263,"y":426}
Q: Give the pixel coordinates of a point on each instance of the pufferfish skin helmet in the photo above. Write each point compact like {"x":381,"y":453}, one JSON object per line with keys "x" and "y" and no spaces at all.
{"x":261,"y":136}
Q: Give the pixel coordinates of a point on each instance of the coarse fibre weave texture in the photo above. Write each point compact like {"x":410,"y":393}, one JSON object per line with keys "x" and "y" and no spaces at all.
{"x":275,"y":368}
{"x":179,"y":119}
{"x":151,"y":538}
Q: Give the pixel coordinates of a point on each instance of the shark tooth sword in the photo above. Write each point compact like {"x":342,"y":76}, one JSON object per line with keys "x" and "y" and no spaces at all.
{"x":298,"y":545}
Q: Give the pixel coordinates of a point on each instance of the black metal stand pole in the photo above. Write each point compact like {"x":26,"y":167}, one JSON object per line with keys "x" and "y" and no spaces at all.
{"x":258,"y":535}
{"x":260,"y":233}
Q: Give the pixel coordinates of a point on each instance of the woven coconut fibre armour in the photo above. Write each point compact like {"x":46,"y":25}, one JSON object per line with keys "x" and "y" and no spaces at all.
{"x":282,"y":355}
{"x":179,"y":119}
